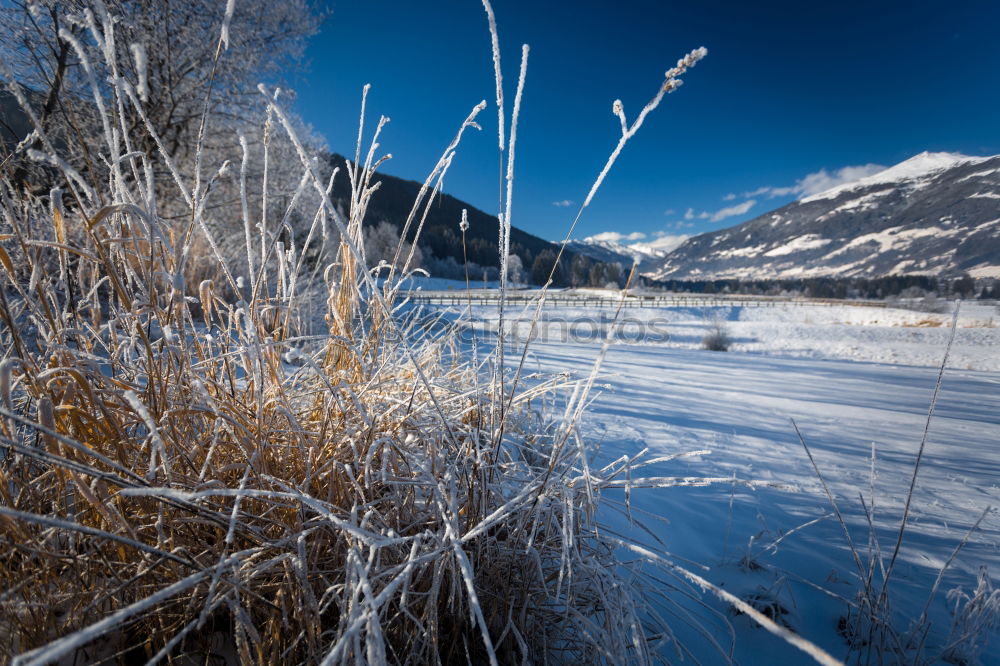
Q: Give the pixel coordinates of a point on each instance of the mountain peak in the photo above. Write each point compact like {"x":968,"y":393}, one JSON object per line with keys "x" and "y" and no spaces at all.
{"x":920,"y":165}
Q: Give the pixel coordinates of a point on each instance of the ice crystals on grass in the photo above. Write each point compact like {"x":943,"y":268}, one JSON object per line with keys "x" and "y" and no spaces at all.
{"x":139,"y":55}
{"x":226,"y":21}
{"x":32,"y":137}
{"x":619,"y":110}
{"x":56,"y":204}
{"x":464,"y":224}
{"x":495,"y":40}
{"x":294,"y":356}
{"x":684,"y":64}
{"x":158,"y":448}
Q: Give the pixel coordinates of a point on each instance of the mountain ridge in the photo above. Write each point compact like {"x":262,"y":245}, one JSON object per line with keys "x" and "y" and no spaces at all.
{"x":934,"y":214}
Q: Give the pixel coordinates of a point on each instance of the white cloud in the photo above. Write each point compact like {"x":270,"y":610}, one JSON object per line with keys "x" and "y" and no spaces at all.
{"x":663,"y":242}
{"x":717,"y":216}
{"x":615,"y":237}
{"x":565,"y":203}
{"x":814,"y":183}
{"x":759,"y":192}
{"x":781,"y":191}
{"x":669,"y":211}
{"x":730,"y":211}
{"x":819,"y":181}
{"x":729,"y":197}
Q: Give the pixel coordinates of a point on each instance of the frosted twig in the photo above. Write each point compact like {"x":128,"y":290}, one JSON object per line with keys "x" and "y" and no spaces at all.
{"x":245,"y":206}
{"x":495,"y":42}
{"x":139,"y":55}
{"x":227,"y":19}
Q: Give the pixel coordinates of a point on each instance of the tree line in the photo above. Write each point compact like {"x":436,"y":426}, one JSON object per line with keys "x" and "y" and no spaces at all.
{"x":889,"y":286}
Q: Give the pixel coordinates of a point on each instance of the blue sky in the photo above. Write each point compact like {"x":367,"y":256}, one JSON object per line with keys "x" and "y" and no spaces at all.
{"x":789,"y":96}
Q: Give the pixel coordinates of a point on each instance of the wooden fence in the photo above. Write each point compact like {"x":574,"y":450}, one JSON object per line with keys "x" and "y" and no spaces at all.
{"x":557,"y":299}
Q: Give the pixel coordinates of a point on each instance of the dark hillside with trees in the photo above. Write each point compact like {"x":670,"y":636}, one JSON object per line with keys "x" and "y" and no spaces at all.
{"x":441,"y":238}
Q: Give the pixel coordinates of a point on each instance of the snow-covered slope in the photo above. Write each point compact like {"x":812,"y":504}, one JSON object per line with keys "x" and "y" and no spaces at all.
{"x":933,"y":214}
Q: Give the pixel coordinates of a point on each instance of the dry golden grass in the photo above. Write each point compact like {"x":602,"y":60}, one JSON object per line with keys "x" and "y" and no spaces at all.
{"x":167,"y":476}
{"x":925,"y":323}
{"x":191,"y":469}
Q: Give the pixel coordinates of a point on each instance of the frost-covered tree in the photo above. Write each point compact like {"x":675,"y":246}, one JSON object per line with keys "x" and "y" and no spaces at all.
{"x":181,"y":78}
{"x":182,"y":57}
{"x":579,"y":270}
{"x":605,"y":275}
{"x":381,"y":242}
{"x":515,"y":270}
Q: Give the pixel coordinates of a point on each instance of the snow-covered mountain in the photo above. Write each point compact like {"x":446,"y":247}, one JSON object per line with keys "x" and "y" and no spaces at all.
{"x":933,"y":214}
{"x":609,"y":247}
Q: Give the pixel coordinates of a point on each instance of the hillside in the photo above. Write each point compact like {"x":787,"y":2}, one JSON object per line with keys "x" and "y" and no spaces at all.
{"x":441,"y":236}
{"x":934,"y":214}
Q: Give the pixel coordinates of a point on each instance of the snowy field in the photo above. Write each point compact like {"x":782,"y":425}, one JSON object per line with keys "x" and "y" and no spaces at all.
{"x":856,"y":381}
{"x":883,"y":335}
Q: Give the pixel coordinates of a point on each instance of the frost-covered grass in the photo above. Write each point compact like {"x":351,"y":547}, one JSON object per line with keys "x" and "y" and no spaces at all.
{"x":252,"y":458}
{"x":263,"y":456}
{"x":717,"y":338}
{"x":190,"y":468}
